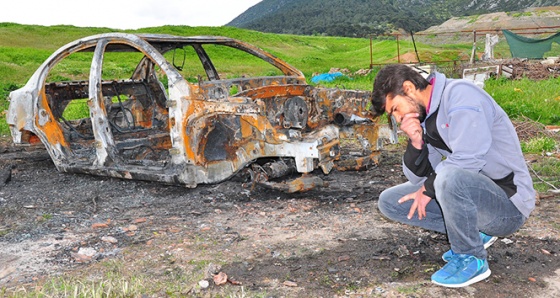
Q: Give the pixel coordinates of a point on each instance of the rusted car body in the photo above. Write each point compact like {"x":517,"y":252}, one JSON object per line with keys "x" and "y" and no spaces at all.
{"x":156,"y":125}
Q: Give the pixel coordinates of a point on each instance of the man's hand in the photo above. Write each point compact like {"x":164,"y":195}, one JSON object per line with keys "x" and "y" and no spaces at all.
{"x":410,"y":125}
{"x":419,"y":204}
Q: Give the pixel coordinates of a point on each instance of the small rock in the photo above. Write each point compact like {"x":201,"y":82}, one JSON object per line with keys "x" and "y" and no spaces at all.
{"x":99,"y":225}
{"x":204,"y":284}
{"x":87,"y":251}
{"x":289,"y":283}
{"x":84,"y":254}
{"x":343,"y":258}
{"x":132,"y":227}
{"x":507,"y":241}
{"x":81,"y":258}
{"x":220,"y":279}
{"x":403,"y":251}
{"x":174,"y":230}
{"x":109,"y":239}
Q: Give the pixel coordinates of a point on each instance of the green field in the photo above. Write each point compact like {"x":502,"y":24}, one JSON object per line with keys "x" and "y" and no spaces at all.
{"x":24,"y":47}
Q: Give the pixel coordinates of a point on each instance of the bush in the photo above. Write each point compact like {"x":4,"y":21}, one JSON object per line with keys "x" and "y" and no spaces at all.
{"x":539,"y":145}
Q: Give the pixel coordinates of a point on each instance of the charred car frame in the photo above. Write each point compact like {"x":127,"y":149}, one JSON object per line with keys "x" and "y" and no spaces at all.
{"x":160,"y":124}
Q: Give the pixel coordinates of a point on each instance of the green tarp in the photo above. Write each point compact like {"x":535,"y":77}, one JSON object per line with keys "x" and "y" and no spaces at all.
{"x":524,"y":47}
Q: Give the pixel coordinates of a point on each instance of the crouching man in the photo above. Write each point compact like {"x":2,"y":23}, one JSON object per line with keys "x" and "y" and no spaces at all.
{"x":467,"y":175}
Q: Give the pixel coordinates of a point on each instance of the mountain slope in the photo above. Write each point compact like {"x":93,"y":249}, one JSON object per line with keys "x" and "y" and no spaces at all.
{"x":364,"y":17}
{"x":535,"y":17}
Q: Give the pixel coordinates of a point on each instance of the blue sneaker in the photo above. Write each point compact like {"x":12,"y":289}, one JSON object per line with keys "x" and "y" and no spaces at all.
{"x":461,"y":271}
{"x":487,"y":240}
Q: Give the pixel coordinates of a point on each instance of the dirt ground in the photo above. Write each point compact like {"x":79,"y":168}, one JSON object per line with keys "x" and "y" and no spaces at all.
{"x":329,"y":242}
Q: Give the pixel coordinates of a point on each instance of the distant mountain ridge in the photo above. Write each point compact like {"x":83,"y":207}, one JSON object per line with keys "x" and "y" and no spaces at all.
{"x":360,"y":18}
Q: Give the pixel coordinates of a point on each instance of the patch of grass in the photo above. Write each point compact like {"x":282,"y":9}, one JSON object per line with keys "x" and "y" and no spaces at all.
{"x":67,"y":286}
{"x":326,"y":281}
{"x":537,"y":100}
{"x":548,"y":167}
{"x":5,"y":89}
{"x":76,"y":109}
{"x":520,"y":14}
{"x":473,"y":19}
{"x":408,"y":290}
{"x":539,"y":145}
{"x":117,"y":278}
{"x":351,"y":81}
{"x":353,"y":286}
{"x":545,"y":172}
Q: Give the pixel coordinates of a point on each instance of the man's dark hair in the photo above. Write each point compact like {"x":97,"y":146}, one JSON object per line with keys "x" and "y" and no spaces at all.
{"x":389,"y":81}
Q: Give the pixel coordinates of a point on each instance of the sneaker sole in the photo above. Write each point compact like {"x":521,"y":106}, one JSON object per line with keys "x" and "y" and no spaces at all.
{"x":476,"y":279}
{"x":490,"y":242}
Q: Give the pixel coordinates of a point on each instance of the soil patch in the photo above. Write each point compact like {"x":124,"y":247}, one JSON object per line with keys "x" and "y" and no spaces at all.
{"x":329,"y":242}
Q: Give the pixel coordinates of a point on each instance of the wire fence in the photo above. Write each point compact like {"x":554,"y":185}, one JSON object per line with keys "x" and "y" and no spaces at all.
{"x":460,"y":49}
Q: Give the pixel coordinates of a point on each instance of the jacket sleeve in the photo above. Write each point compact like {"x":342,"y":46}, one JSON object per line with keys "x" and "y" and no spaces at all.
{"x":418,"y":167}
{"x":416,"y":160}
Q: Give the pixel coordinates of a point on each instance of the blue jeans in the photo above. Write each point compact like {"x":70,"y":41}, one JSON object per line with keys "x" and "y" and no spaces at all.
{"x":466,"y":203}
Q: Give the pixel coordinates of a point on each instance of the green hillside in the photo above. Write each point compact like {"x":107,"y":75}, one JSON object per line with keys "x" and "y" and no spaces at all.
{"x":361,"y":18}
{"x":24,"y":47}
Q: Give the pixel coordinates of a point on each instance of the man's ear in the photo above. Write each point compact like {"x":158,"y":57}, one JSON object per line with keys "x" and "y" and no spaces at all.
{"x":408,"y":87}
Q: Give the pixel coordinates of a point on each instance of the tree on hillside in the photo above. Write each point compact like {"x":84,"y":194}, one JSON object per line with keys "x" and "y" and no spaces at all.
{"x":361,"y":18}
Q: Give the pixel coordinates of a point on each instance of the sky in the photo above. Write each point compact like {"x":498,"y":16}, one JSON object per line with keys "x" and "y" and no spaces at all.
{"x":124,"y":14}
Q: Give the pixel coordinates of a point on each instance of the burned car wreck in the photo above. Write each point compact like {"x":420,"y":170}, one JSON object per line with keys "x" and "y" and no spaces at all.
{"x":178,"y":118}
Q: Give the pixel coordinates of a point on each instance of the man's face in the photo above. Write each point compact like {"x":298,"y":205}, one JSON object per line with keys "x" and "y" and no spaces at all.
{"x":399,"y":105}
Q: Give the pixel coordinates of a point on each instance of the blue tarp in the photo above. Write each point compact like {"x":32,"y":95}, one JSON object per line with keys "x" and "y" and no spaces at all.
{"x":326,"y":77}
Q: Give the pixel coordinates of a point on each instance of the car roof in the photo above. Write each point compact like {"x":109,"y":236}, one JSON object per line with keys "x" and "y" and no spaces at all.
{"x":166,"y":42}
{"x":123,"y":42}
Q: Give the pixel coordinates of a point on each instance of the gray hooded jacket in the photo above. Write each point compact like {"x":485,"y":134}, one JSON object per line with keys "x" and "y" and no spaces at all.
{"x":480,"y":138}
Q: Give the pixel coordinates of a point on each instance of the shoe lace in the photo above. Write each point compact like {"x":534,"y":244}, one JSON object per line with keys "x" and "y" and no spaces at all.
{"x":459,"y":261}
